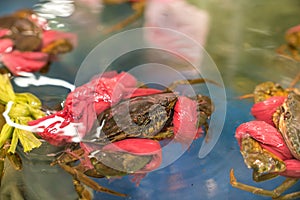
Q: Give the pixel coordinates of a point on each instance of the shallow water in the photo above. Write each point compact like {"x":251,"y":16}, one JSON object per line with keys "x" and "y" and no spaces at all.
{"x":242,"y":40}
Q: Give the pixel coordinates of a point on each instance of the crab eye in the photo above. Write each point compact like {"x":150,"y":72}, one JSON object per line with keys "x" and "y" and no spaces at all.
{"x":287,"y":115}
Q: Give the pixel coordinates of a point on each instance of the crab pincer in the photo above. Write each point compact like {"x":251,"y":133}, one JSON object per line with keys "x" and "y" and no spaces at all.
{"x":137,"y":147}
{"x":82,"y":106}
{"x":264,"y":110}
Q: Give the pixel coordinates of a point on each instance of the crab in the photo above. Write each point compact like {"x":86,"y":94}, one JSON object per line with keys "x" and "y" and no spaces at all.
{"x":270,"y":145}
{"x":291,"y":49}
{"x":28,"y":45}
{"x":96,"y":103}
{"x":111,"y":111}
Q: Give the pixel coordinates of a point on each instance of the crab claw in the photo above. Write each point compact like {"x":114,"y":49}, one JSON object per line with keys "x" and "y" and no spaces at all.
{"x":57,"y":42}
{"x":139,"y":146}
{"x":82,"y":107}
{"x":54,"y":129}
{"x":4,"y":32}
{"x":292,"y":168}
{"x":293,"y":29}
{"x":17,"y":61}
{"x":6,"y":45}
{"x":271,"y":140}
{"x":143,"y":92}
{"x":50,"y":36}
{"x":267,"y":135}
{"x":264,"y":110}
{"x":186,"y":120}
{"x":102,"y":91}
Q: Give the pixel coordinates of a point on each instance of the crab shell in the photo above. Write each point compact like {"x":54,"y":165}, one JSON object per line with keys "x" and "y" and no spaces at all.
{"x":288,"y":123}
{"x":266,"y":90}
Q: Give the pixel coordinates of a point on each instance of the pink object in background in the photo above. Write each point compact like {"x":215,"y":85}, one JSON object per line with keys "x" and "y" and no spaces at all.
{"x":190,"y":24}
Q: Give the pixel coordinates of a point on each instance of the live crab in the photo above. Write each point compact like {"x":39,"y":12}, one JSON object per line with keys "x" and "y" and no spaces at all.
{"x":271,"y":145}
{"x":152,"y":115}
{"x":291,"y":48}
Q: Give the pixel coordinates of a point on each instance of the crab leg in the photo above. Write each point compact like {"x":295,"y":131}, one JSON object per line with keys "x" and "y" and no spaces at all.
{"x":283,"y":51}
{"x":87,"y":181}
{"x":138,"y":8}
{"x":294,"y":195}
{"x":68,"y":157}
{"x":190,"y":81}
{"x":83,"y":193}
{"x":295,"y":81}
{"x":289,"y":182}
{"x":2,"y":158}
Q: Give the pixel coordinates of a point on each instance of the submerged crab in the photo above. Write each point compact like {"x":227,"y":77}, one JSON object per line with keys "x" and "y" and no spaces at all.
{"x":291,"y":49}
{"x":111,"y":111}
{"x":271,"y":145}
{"x":28,"y":45}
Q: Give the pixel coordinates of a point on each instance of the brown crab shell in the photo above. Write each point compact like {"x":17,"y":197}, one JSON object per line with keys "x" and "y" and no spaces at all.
{"x":288,"y":123}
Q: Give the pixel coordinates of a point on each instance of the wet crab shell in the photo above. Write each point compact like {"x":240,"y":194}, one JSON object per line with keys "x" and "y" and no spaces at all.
{"x":159,"y":116}
{"x":287,"y":119}
{"x":6,"y":45}
{"x":140,"y":116}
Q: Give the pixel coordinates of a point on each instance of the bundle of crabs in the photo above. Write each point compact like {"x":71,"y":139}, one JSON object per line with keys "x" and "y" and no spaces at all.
{"x":27,"y":44}
{"x":275,"y":132}
{"x":112,"y":114}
